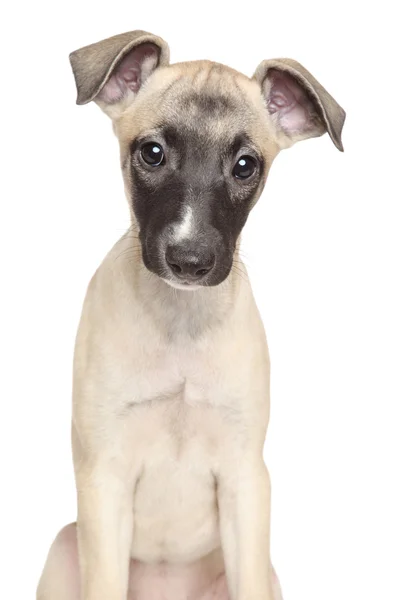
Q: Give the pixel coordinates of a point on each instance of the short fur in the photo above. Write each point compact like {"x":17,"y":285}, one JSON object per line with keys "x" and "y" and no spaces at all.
{"x":171,"y":367}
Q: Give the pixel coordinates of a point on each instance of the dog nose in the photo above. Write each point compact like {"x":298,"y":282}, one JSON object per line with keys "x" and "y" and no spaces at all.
{"x":189,"y":263}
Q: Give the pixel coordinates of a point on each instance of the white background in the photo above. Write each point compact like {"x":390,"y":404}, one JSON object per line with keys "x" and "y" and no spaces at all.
{"x":322,"y":247}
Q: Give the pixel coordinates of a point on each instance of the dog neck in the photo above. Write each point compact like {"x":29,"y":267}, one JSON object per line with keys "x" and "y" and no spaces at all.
{"x":174,"y":312}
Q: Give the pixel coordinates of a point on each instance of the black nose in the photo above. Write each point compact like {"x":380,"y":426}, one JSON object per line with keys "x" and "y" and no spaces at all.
{"x":188,"y":262}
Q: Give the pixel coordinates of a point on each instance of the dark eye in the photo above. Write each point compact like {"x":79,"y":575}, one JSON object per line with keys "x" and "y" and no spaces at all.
{"x":152,"y":154}
{"x":244,"y":168}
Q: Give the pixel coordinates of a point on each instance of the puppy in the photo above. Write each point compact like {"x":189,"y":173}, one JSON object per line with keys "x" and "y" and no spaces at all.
{"x":171,"y":367}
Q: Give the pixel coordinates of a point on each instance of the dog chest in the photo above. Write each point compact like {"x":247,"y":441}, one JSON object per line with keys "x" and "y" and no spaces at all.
{"x":175,"y":510}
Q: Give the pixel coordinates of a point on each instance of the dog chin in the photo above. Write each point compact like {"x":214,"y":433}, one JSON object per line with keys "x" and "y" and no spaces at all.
{"x":187,"y":287}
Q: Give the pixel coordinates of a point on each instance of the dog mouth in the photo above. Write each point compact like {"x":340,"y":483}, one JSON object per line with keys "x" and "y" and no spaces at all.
{"x":187,"y":286}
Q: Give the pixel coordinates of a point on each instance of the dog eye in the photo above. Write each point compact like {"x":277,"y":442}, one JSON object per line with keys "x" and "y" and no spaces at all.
{"x":152,"y":154}
{"x":244,"y":168}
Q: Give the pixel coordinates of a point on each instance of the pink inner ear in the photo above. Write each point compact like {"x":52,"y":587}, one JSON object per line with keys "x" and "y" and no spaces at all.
{"x":131,"y":72}
{"x":289,"y":102}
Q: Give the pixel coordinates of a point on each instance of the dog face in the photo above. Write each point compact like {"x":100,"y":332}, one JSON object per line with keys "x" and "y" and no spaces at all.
{"x":193,"y":167}
{"x":197,"y":140}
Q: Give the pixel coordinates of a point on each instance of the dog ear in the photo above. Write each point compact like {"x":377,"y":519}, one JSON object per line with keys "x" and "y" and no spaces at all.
{"x":112,"y":71}
{"x":299,"y":106}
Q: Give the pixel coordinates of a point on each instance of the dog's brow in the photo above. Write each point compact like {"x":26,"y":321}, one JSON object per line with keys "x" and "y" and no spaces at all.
{"x":171,"y":135}
{"x":241,"y":140}
{"x":146,"y":137}
{"x":175,"y":138}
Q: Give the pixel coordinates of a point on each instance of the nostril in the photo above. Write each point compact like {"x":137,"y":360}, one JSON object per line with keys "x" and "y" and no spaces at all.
{"x":202,"y":272}
{"x":205,"y":268}
{"x":176,"y":268}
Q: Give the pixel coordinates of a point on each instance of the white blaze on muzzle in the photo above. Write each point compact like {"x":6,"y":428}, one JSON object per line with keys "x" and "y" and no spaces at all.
{"x":184,"y":228}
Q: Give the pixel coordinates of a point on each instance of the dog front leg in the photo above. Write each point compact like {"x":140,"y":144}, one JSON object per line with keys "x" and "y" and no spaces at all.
{"x":244,"y":512}
{"x":105,"y":529}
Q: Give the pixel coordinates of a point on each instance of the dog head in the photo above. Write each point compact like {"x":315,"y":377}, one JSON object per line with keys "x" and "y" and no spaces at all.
{"x":196,"y":141}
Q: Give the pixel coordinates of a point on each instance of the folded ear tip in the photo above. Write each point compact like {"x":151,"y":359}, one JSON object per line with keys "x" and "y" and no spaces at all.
{"x":82,"y":98}
{"x":338,"y":141}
